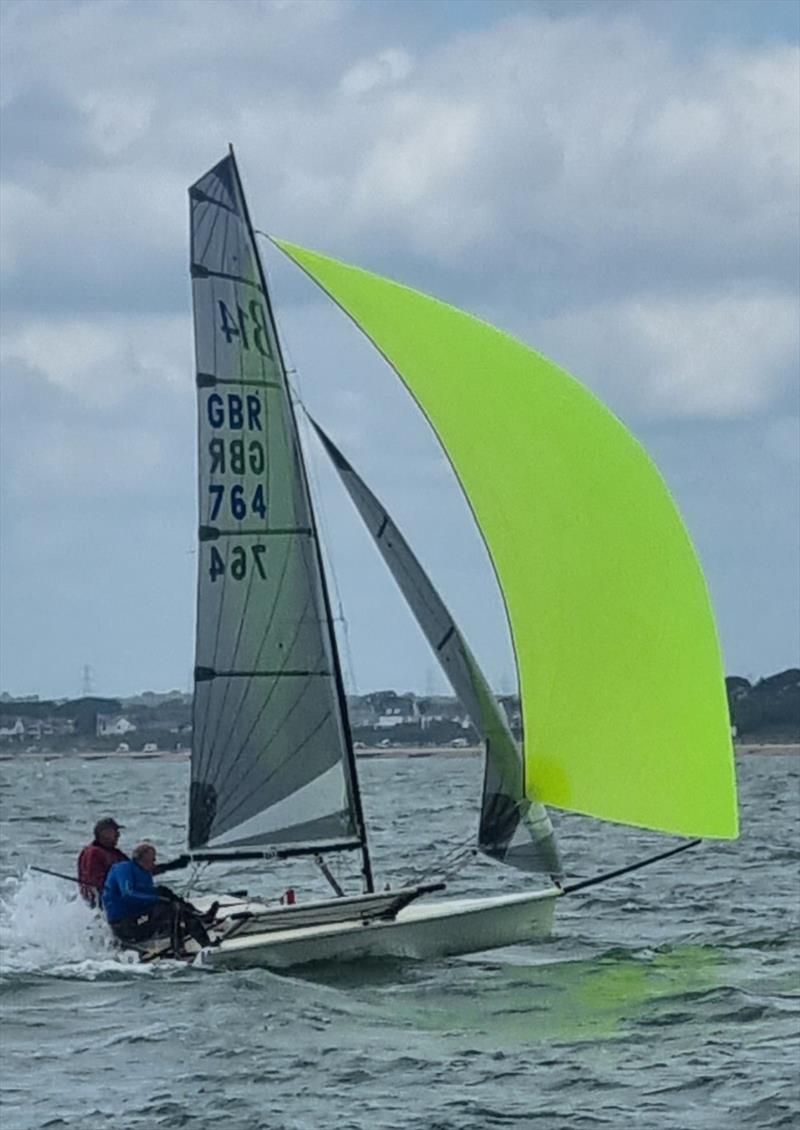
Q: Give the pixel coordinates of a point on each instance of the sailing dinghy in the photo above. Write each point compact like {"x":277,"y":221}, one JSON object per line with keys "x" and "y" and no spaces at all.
{"x":621,"y":684}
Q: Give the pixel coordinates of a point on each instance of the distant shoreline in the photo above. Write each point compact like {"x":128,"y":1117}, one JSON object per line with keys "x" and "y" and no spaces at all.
{"x":768,"y":749}
{"x":747,"y":749}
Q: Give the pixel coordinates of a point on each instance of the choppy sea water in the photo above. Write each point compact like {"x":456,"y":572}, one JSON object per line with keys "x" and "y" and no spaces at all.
{"x":667,"y":999}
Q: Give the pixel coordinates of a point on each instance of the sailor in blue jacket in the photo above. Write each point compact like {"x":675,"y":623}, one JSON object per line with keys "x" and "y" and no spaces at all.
{"x":136,"y":909}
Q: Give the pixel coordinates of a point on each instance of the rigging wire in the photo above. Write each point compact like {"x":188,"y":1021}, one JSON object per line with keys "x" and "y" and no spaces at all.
{"x":339,"y":617}
{"x":450,"y":864}
{"x":445,"y":871}
{"x":294,"y":382}
{"x":198,"y":869}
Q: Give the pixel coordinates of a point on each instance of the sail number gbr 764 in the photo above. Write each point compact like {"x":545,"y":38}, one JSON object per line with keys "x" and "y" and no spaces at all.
{"x":235,"y":450}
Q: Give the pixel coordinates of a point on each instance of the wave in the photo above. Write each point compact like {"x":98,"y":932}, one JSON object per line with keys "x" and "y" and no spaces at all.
{"x":47,"y":929}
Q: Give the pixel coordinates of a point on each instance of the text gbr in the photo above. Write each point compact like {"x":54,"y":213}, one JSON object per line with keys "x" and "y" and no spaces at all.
{"x":240,"y":456}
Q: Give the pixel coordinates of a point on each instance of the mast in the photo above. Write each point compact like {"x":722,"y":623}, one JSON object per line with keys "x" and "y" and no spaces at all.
{"x":337,"y":670}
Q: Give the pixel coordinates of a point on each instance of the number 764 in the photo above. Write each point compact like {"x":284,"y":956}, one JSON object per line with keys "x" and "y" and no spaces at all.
{"x":238,"y":563}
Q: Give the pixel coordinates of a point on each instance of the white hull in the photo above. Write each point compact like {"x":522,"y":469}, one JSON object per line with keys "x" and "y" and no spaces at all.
{"x":441,"y":928}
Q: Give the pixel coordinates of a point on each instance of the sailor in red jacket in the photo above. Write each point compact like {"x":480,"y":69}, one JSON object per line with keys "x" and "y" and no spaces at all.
{"x":97,"y":859}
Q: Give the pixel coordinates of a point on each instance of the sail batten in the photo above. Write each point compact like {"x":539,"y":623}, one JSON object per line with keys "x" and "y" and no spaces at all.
{"x":621,"y":678}
{"x":272,"y":760}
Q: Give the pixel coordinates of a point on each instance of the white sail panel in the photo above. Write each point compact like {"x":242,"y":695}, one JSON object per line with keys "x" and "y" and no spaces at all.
{"x":270,"y":729}
{"x":288,"y":817}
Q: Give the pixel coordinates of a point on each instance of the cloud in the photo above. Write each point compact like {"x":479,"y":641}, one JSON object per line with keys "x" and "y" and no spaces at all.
{"x":725,"y":357}
{"x":574,"y":173}
{"x":582,"y":149}
{"x":106,"y":359}
{"x":96,"y":410}
{"x":384,"y":69}
{"x":717,"y":356}
{"x":573,"y":153}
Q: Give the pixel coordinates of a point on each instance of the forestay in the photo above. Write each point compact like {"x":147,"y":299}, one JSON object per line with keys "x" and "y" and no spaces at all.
{"x":513,"y":828}
{"x":272,"y":761}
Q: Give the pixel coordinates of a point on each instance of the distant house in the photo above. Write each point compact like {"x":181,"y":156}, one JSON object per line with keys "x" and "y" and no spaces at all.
{"x":401,"y":711}
{"x":361,"y":711}
{"x":437,"y":710}
{"x":33,"y":728}
{"x":113,"y":725}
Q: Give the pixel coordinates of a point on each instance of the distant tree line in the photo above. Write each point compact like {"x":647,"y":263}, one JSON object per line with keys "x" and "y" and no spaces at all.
{"x":767,"y":709}
{"x":81,"y":711}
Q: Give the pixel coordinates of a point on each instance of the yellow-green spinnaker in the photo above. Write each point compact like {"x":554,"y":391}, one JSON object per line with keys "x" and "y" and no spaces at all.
{"x":621,"y":679}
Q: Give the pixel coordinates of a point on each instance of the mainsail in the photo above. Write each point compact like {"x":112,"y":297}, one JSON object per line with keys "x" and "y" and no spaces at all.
{"x":506,"y":812}
{"x":621,"y":681}
{"x":272,"y":759}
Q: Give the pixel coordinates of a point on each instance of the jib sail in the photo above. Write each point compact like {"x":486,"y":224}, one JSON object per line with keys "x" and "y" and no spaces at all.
{"x":513,"y":828}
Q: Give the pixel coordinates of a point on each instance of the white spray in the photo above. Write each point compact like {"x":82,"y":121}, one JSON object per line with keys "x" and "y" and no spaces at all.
{"x":46,"y":927}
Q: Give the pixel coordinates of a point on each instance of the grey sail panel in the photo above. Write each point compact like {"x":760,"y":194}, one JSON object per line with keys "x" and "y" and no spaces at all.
{"x":512,"y":829}
{"x":271,"y":757}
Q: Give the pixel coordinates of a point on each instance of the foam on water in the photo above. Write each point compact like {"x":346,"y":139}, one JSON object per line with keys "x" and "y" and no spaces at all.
{"x":46,"y":928}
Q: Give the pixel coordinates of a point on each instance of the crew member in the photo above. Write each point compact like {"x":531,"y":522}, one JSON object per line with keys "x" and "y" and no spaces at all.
{"x":97,"y":859}
{"x":137,"y":909}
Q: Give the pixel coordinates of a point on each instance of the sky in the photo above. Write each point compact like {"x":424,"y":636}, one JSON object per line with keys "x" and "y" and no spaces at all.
{"x":616,"y":183}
